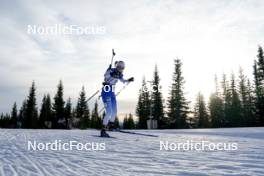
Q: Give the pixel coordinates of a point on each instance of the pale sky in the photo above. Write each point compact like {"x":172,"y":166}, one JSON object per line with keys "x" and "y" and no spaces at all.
{"x":210,"y":37}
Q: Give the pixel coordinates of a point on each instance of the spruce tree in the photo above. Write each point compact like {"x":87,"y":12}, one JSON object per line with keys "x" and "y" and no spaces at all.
{"x":2,"y":120}
{"x":259,"y":86}
{"x":260,"y":64}
{"x":125,"y":124}
{"x":116,"y":123}
{"x":42,"y":113}
{"x":14,"y":116}
{"x":177,"y":104}
{"x":247,"y":106}
{"x":243,"y":96}
{"x":45,"y":116}
{"x":82,"y":110}
{"x":22,"y":115}
{"x":31,"y":112}
{"x":68,"y":114}
{"x":157,"y":112}
{"x":139,"y":112}
{"x":5,"y":121}
{"x":95,"y":119}
{"x":49,"y":112}
{"x":143,"y":106}
{"x":58,"y":107}
{"x":250,"y":108}
{"x":216,"y":108}
{"x":130,"y":122}
{"x":227,"y":101}
{"x":236,"y":120}
{"x":200,"y":112}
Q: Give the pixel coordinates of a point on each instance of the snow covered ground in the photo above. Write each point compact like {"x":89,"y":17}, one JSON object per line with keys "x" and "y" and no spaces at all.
{"x":128,"y":154}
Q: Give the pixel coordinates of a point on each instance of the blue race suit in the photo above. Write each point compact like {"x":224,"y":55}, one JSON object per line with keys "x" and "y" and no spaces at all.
{"x":111,"y":77}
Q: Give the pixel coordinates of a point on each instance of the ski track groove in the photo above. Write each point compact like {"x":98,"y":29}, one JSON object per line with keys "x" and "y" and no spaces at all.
{"x":129,"y":154}
{"x":13,"y":170}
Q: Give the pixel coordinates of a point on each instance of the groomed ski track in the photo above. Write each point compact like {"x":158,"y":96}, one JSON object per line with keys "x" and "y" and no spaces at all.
{"x":129,"y":154}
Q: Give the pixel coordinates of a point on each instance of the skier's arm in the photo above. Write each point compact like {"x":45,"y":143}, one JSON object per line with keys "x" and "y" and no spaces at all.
{"x":126,"y":80}
{"x":107,"y":74}
{"x":123,"y":80}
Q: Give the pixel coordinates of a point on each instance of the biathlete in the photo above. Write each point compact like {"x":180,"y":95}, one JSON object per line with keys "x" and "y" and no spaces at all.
{"x":111,"y":77}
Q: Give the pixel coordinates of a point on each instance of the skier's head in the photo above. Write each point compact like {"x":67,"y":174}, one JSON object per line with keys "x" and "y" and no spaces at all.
{"x":120,"y":66}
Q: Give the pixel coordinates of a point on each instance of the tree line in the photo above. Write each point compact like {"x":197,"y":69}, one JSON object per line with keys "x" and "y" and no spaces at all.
{"x":236,"y":102}
{"x":56,"y":114}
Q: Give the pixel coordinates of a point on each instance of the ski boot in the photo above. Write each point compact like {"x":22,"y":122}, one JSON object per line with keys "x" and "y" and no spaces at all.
{"x":103,"y":133}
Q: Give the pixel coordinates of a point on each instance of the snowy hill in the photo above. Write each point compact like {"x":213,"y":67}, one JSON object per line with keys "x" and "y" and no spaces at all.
{"x":130,"y":154}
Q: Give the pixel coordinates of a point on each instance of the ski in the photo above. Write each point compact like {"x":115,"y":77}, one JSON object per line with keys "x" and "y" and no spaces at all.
{"x":136,"y":133}
{"x":110,"y":137}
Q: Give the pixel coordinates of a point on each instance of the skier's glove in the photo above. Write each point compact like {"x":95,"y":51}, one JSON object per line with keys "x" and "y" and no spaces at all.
{"x":131,"y":79}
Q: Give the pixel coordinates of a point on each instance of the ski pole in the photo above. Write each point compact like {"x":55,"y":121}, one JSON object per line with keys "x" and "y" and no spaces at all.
{"x":122,"y":89}
{"x":93,"y":95}
{"x":113,"y":55}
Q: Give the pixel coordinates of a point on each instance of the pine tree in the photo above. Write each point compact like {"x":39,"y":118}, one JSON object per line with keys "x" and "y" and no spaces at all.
{"x":49,"y":112}
{"x":143,"y":106}
{"x":243,"y":95}
{"x":177,"y":104}
{"x":200,"y":112}
{"x":22,"y":115}
{"x":250,"y":108}
{"x":14,"y":116}
{"x":2,"y":120}
{"x":216,"y":111}
{"x":260,"y":64}
{"x":58,"y":107}
{"x":259,"y":87}
{"x":139,"y":112}
{"x":146,"y":104}
{"x":125,"y":124}
{"x":227,"y":101}
{"x":45,"y":117}
{"x":42,"y":113}
{"x":31,"y":112}
{"x":95,"y":118}
{"x":82,"y":110}
{"x":216,"y":108}
{"x":68,"y":114}
{"x":128,"y":122}
{"x":156,"y":100}
{"x":5,"y":121}
{"x":236,"y":120}
{"x":116,"y":123}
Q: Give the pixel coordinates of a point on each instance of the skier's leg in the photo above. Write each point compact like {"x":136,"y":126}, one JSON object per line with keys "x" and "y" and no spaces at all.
{"x":108,"y":109}
{"x":114,"y":109}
